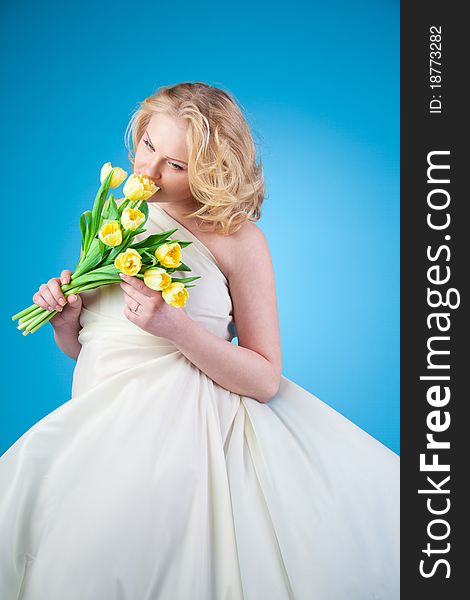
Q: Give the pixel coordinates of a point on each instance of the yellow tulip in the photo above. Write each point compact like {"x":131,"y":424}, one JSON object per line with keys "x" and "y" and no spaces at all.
{"x":118,"y":175}
{"x":110,"y":233}
{"x":128,"y":262}
{"x":139,"y":187}
{"x":175,"y":294}
{"x":157,"y":278}
{"x":131,"y":218}
{"x":169,"y":255}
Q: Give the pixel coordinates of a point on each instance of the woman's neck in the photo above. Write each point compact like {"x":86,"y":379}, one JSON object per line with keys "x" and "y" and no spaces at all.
{"x":177,"y":210}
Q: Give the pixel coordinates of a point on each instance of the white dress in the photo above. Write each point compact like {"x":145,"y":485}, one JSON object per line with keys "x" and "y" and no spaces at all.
{"x":154,"y":482}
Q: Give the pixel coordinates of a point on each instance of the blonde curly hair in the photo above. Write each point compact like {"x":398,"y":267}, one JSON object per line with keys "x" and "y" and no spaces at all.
{"x":224,"y":178}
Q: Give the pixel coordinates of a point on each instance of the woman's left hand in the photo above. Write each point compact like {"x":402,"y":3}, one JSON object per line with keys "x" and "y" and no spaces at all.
{"x":154,"y":314}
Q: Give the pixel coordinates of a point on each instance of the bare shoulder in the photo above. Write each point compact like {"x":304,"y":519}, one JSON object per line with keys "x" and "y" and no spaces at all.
{"x":246,"y":246}
{"x":249,"y":236}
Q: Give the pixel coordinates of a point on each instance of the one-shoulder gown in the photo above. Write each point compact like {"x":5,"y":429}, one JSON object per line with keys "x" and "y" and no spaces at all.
{"x":153,"y":482}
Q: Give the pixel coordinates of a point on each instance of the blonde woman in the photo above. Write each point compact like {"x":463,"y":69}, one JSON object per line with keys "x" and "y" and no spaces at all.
{"x":185,"y":466}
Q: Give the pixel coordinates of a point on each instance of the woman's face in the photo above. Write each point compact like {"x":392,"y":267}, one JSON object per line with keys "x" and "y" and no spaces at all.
{"x":162,"y":156}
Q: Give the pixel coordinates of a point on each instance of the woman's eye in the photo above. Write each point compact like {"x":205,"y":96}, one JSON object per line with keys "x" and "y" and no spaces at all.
{"x":176,"y":167}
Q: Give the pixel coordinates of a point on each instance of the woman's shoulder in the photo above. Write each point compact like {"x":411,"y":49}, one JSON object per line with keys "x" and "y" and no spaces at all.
{"x":248,"y":235}
{"x":246,"y":244}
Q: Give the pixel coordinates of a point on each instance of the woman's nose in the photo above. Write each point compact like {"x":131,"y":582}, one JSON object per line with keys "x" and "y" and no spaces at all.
{"x":152,"y":169}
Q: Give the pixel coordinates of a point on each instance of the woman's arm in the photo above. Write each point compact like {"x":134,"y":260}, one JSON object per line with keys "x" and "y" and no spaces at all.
{"x":253,"y":368}
{"x":67,"y":340}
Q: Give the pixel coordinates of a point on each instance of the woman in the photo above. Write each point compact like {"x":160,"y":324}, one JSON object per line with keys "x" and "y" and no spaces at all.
{"x":185,"y":466}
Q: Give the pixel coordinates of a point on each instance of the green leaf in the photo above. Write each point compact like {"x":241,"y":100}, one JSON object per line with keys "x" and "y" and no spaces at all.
{"x":182,"y":243}
{"x":108,"y":272}
{"x":144,"y":208}
{"x":93,"y":257}
{"x":110,"y":211}
{"x":98,"y":207}
{"x":92,"y":285}
{"x":134,"y":232}
{"x":185,"y":279}
{"x":123,"y":205}
{"x":154,"y":240}
{"x":89,"y":220}
{"x":104,"y":213}
{"x":182,"y":267}
{"x":124,"y":245}
{"x":114,"y":211}
{"x":84,"y":226}
{"x":151,"y":256}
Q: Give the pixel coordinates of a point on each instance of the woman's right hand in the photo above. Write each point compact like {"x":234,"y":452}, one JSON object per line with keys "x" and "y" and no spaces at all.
{"x":51,"y":297}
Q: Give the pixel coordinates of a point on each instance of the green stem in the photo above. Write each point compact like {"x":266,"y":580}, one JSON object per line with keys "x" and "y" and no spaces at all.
{"x":37,"y":320}
{"x":24,"y":312}
{"x":31,"y":315}
{"x":67,"y":288}
{"x":43,"y":316}
{"x":92,"y":285}
{"x":48,"y":317}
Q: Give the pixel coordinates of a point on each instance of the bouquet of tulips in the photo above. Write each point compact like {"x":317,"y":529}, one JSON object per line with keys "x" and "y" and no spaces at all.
{"x":107,"y":232}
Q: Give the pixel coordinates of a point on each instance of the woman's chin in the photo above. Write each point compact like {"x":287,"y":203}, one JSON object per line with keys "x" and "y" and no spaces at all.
{"x":156,"y":196}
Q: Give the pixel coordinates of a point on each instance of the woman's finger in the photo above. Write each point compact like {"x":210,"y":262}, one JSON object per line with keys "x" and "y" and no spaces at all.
{"x":131,"y":292}
{"x":65,"y":276}
{"x":137,"y":284}
{"x":39,"y":300}
{"x":57,"y":294}
{"x":49,"y":299}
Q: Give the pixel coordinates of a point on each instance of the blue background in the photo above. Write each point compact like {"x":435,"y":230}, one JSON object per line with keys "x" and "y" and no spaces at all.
{"x":319,"y":83}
